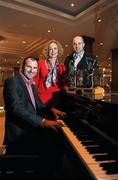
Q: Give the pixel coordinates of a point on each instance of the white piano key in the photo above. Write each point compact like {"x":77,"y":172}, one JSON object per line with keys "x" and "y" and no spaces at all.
{"x":90,"y":163}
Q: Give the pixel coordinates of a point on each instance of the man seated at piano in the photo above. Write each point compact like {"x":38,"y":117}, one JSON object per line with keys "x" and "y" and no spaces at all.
{"x":80,"y":66}
{"x":30,"y":126}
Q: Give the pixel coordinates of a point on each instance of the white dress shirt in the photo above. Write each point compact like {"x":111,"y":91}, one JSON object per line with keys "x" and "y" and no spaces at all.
{"x":78,"y":59}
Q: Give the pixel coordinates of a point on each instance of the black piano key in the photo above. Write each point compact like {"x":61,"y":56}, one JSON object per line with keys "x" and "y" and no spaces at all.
{"x":105,"y":157}
{"x":100,"y":149}
{"x":110,"y":167}
{"x":88,"y":142}
{"x":97,"y":144}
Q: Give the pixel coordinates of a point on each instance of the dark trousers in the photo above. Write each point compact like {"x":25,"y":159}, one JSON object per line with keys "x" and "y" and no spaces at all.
{"x":44,"y":142}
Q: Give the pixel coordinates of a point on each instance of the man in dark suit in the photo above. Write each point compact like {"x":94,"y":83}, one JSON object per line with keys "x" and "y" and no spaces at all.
{"x":30,"y":127}
{"x":80,"y":65}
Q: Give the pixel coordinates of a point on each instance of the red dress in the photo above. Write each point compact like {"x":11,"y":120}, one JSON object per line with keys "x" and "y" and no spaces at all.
{"x":49,"y":96}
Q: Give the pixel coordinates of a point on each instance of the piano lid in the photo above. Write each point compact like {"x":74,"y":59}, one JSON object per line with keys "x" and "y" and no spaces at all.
{"x":99,"y":111}
{"x":95,"y":94}
{"x":107,"y":97}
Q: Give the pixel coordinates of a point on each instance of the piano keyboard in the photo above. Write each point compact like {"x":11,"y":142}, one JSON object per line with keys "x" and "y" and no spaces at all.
{"x":95,"y":167}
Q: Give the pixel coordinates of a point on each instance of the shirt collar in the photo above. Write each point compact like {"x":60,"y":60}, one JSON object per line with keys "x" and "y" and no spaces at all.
{"x":27,"y":81}
{"x":80,"y":54}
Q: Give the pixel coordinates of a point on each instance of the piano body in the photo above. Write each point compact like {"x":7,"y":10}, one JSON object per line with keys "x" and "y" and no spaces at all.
{"x":92,"y":133}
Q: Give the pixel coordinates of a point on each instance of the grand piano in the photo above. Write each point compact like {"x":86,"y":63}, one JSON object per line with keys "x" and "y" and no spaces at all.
{"x":91,"y":133}
{"x":91,"y":140}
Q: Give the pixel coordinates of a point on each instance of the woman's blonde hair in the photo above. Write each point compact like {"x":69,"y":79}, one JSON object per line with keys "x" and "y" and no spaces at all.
{"x":46,"y":48}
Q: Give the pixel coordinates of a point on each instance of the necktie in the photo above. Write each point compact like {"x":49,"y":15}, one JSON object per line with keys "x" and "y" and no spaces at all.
{"x":77,"y":60}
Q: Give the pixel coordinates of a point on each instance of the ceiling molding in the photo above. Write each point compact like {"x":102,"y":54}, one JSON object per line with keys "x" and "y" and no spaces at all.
{"x":37,"y":45}
{"x":24,"y":20}
{"x":46,"y":9}
{"x":100,"y":7}
{"x":90,"y":9}
{"x":50,"y":13}
{"x":33,"y":43}
{"x":42,"y":13}
{"x":9,"y":50}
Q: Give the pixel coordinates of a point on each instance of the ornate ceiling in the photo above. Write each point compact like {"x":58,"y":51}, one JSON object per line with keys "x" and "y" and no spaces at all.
{"x":24,"y":26}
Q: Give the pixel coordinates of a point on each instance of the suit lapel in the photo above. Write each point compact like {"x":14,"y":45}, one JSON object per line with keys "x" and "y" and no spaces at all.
{"x":37,"y":100}
{"x":21,"y":81}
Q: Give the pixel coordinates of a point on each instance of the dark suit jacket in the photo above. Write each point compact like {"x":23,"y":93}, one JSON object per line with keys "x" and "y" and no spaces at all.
{"x":23,"y":134}
{"x":21,"y":117}
{"x":87,"y":64}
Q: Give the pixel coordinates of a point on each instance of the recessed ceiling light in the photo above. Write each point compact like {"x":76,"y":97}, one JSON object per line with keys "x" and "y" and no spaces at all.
{"x":66,"y":45}
{"x":101,"y":43}
{"x":49,"y":31}
{"x":99,"y":20}
{"x":72,"y":4}
{"x":23,"y":42}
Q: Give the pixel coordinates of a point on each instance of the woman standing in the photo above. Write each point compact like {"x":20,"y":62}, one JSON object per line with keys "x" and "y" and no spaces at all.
{"x":50,"y":77}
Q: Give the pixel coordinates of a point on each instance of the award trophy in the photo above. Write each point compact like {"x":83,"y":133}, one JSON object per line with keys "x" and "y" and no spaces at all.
{"x":79,"y":78}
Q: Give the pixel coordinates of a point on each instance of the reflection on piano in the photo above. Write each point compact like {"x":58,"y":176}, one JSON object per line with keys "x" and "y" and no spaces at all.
{"x":92,"y":132}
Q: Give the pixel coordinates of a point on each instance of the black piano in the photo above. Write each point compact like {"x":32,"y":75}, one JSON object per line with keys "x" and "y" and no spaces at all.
{"x":91,"y":142}
{"x":91,"y":133}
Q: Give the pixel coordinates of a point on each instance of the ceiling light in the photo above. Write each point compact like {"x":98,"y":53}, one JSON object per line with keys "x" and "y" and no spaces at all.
{"x":23,"y":42}
{"x":101,"y":44}
{"x":49,"y":31}
{"x":99,"y":20}
{"x":72,"y":4}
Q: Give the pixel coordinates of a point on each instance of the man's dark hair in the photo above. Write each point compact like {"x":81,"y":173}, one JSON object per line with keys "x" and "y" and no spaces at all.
{"x":28,"y":57}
